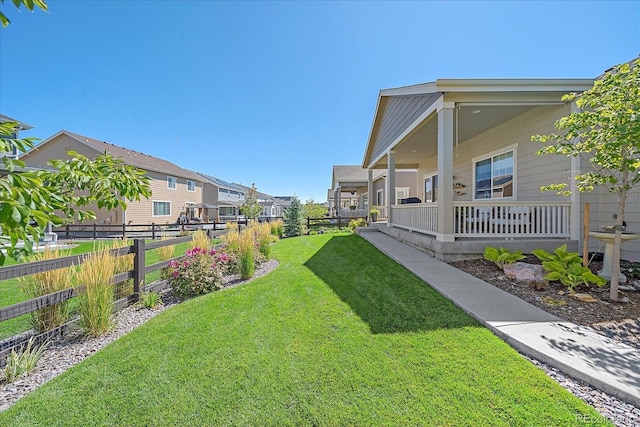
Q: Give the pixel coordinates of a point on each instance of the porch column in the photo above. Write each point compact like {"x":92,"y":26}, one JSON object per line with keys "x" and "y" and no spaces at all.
{"x":445,"y":173}
{"x":390,"y":185}
{"x":369,"y":192}
{"x":575,"y":215}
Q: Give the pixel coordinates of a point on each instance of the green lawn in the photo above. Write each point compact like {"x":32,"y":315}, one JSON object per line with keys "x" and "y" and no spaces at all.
{"x":10,"y":292}
{"x":337,"y":335}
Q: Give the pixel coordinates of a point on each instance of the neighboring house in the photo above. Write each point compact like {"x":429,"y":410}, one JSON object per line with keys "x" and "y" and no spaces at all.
{"x":480,"y":177}
{"x":175,"y":191}
{"x":272,"y":207}
{"x":225,"y":196}
{"x":21,"y":126}
{"x":349,"y":193}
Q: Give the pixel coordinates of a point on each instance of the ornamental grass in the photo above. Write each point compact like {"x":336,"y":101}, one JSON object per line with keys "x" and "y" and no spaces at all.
{"x":47,"y":282}
{"x":96,"y":303}
{"x":166,"y":253}
{"x":123,"y":264}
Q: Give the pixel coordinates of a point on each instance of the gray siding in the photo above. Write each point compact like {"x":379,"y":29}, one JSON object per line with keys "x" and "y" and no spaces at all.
{"x":399,"y":112}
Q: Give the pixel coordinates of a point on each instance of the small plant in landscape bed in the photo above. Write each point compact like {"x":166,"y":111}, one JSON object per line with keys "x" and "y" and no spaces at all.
{"x":246,"y":255}
{"x":47,"y":282}
{"x":566,"y":267}
{"x":24,"y":361}
{"x":360,"y":222}
{"x":149,"y":299}
{"x":264,"y":238}
{"x":122,"y":264}
{"x":96,"y":303}
{"x":166,"y":253}
{"x":277,"y":228}
{"x":200,"y":240}
{"x":502,"y":256}
{"x":198,"y":272}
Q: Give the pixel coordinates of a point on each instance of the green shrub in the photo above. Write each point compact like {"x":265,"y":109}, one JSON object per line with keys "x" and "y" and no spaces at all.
{"x":24,"y":361}
{"x":502,"y":256}
{"x":198,"y":272}
{"x":149,"y":299}
{"x":567,"y":268}
{"x":360,"y":222}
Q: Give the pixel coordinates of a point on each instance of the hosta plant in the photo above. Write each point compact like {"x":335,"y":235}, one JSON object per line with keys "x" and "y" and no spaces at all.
{"x":502,"y":256}
{"x":566,"y":267}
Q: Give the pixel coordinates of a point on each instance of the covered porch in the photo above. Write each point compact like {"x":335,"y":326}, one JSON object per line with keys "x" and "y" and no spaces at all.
{"x":479,"y":174}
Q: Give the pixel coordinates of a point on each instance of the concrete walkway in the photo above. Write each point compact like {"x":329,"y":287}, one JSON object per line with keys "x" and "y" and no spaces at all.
{"x":577,"y":351}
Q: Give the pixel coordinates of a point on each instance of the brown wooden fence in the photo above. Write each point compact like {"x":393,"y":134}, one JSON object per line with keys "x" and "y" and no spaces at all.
{"x":138,"y":249}
{"x":331,"y":221}
{"x":148,"y":231}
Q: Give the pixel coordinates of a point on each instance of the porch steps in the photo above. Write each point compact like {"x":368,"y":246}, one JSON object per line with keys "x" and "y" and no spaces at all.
{"x":577,"y":351}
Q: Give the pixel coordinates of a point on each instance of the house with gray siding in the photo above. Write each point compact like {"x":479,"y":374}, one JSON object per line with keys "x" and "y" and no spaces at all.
{"x":479,"y":175}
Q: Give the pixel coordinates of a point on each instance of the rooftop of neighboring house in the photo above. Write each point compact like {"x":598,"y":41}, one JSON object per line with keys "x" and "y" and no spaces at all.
{"x":222,"y":183}
{"x":354,"y":174}
{"x":21,"y":125}
{"x":132,"y":157}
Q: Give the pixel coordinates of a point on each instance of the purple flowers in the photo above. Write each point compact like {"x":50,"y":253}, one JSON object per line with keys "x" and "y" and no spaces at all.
{"x":198,"y":272}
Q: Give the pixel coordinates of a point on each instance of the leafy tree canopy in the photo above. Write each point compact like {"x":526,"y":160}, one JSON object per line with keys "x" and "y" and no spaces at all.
{"x":606,"y":132}
{"x":29,"y":4}
{"x":31,"y":198}
{"x":312,"y":209}
{"x":251,"y":208}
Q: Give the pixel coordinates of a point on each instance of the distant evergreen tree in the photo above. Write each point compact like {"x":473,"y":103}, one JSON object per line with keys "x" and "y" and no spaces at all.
{"x":293,"y":224}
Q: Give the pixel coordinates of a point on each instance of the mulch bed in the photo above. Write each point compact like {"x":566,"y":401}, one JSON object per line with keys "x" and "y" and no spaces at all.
{"x":620,"y":321}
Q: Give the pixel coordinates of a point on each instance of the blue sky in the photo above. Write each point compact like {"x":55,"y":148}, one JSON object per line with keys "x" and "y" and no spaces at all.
{"x":275,"y":93}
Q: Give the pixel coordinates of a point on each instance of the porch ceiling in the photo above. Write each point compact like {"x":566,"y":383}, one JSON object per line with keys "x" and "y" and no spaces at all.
{"x":473,"y":120}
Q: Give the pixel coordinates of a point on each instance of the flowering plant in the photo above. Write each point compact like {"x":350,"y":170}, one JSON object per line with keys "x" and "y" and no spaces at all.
{"x":198,"y":272}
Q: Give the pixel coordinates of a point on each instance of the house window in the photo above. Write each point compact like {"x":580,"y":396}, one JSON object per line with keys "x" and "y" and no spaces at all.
{"x":401,"y":193}
{"x":161,"y":208}
{"x":226,"y":210}
{"x":493,"y":176}
{"x":380,"y":197}
{"x":191,"y":185}
{"x":172,"y":182}
{"x":365,"y":201}
{"x":431,"y":188}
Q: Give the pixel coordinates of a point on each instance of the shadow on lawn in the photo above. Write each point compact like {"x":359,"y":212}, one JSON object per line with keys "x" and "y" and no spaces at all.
{"x":381,"y":292}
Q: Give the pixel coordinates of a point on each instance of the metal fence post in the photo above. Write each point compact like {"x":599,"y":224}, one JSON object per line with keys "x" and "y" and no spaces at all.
{"x":95,"y":231}
{"x":153,"y":230}
{"x":138,"y":267}
{"x":66,"y":232}
{"x":124,"y":230}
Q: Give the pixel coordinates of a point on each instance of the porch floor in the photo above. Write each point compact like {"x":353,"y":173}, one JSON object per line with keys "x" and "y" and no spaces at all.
{"x":577,"y":351}
{"x":469,"y":247}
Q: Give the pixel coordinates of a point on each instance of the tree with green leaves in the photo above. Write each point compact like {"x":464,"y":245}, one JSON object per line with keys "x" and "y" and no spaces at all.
{"x":32,"y":198}
{"x":29,"y":4}
{"x":251,"y":208}
{"x":293,"y":220}
{"x":606,"y":132}
{"x":311,"y":209}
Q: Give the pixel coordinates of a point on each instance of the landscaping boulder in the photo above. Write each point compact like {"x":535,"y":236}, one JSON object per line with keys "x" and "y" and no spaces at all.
{"x":533,"y":274}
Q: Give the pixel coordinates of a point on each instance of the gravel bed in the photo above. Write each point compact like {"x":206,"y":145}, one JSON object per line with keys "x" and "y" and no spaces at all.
{"x":73,"y":348}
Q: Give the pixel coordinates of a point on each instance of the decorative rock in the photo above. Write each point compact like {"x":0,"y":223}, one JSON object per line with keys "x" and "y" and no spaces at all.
{"x":533,"y":274}
{"x":583,"y":297}
{"x":626,"y":288}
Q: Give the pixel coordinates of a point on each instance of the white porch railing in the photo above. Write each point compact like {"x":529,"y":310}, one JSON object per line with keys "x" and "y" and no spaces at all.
{"x":353,"y":213}
{"x":422,"y":217}
{"x":489,"y":219}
